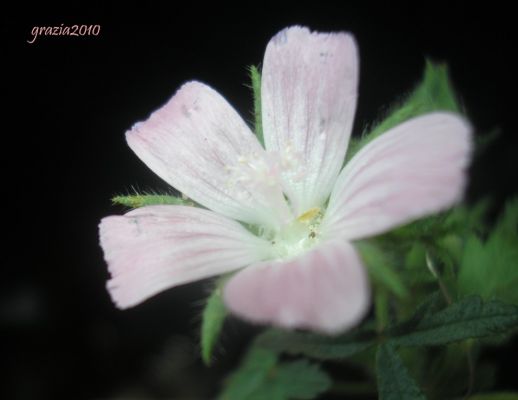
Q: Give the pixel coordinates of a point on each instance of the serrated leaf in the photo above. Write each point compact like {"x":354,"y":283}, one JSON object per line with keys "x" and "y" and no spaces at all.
{"x":468,"y":318}
{"x":255,"y":77}
{"x":429,"y":304}
{"x":434,"y":93}
{"x":380,"y":268}
{"x":262,"y":377}
{"x":490,"y":268}
{"x":213,"y":317}
{"x":250,"y":376}
{"x":141,"y":200}
{"x":315,"y":346}
{"x":394,"y":380}
{"x":428,"y":307}
{"x":299,"y":380}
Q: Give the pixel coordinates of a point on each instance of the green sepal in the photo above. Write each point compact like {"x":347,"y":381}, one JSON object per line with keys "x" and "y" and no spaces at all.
{"x":213,"y":318}
{"x":255,"y":78}
{"x":434,"y":93}
{"x":150,"y":199}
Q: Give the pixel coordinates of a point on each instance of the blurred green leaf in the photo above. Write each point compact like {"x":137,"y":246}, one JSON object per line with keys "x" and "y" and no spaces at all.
{"x":468,"y":318}
{"x":394,"y":380}
{"x":299,"y":380}
{"x":434,"y":93}
{"x":381,"y":268}
{"x":251,"y":375}
{"x":316,"y":346}
{"x":457,"y":221}
{"x":213,"y":318}
{"x":489,"y":267}
{"x":261,"y":377}
{"x":428,"y":307}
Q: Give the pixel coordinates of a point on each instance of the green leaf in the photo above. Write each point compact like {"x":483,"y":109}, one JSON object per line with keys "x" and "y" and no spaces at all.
{"x":250,"y":376}
{"x":213,"y":317}
{"x":428,"y":307}
{"x":316,"y":346}
{"x":381,"y":268}
{"x":457,"y":221}
{"x":434,"y":93}
{"x":255,"y":77}
{"x":508,"y":222}
{"x":262,"y":377}
{"x":141,"y":200}
{"x":495,"y":396}
{"x":298,"y":380}
{"x":394,"y":380}
{"x":468,"y":318}
{"x":490,"y":268}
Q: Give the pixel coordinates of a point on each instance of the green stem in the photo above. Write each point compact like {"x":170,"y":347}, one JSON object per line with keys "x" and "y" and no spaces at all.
{"x":444,"y":290}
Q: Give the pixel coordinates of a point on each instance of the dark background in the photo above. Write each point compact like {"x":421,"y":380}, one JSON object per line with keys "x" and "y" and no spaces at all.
{"x":67,"y":104}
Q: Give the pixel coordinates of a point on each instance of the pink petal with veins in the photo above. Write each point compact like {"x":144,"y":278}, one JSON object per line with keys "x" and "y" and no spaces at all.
{"x":309,"y":91}
{"x":155,"y":248}
{"x":415,"y":169}
{"x":201,"y":146}
{"x":325,"y":289}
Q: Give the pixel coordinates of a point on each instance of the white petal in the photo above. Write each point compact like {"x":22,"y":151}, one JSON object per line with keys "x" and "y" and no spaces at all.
{"x":309,"y":91}
{"x":199,"y":145}
{"x":415,"y":169}
{"x":154,"y":248}
{"x":325,"y":289}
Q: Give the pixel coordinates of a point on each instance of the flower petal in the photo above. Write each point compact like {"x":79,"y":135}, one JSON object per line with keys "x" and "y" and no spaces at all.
{"x":309,"y":91}
{"x":325,"y":290}
{"x":154,"y":248}
{"x":199,"y":145}
{"x":414,"y":169}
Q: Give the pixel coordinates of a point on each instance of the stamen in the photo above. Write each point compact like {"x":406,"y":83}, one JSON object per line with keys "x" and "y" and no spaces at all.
{"x":291,"y":163}
{"x":254,"y":170}
{"x":254,"y":178}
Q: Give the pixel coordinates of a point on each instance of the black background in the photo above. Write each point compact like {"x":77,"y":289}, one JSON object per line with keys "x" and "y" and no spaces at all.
{"x":67,"y":104}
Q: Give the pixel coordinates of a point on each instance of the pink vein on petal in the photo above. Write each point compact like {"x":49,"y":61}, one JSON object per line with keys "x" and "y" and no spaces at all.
{"x":154,"y":248}
{"x":201,"y":146}
{"x":325,"y":289}
{"x":415,"y":169}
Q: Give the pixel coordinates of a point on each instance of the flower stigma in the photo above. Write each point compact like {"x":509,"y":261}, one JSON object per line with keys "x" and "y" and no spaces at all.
{"x":298,"y":236}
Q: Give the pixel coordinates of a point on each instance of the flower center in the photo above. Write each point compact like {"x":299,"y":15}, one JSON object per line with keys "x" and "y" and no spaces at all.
{"x":299,"y":236}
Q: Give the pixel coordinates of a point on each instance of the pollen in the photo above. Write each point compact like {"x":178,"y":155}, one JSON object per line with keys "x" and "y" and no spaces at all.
{"x":309,"y":215}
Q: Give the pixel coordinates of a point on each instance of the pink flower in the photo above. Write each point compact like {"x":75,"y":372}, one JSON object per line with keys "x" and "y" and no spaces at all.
{"x":301,"y":270}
